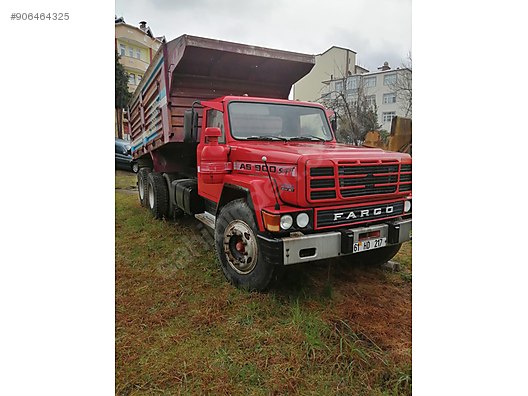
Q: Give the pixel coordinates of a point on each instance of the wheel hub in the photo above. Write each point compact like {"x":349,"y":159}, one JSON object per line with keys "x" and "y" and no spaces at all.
{"x":240,"y":247}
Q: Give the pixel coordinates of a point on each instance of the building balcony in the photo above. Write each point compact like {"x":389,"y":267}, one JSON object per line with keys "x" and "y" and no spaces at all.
{"x":134,"y":64}
{"x":132,"y":87}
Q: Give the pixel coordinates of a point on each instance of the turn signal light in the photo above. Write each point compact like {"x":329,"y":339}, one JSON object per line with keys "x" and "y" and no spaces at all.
{"x":271,"y":221}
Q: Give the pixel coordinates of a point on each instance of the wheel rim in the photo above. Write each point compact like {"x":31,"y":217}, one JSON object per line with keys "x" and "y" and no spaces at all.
{"x":151,"y":197}
{"x":240,"y":247}
{"x":135,"y":168}
{"x":141,"y":188}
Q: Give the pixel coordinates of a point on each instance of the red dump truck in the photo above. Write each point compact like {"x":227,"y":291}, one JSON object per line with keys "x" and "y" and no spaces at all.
{"x":216,"y":138}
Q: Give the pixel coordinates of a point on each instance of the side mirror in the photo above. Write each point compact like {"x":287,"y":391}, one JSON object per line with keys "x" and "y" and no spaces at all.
{"x":190,"y":126}
{"x":212,"y":134}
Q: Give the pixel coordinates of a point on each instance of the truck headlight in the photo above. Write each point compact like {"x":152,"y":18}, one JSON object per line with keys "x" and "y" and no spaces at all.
{"x":302,"y":220}
{"x":407,"y":206}
{"x":286,"y":222}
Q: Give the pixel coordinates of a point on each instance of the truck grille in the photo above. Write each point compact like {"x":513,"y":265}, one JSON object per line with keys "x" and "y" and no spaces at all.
{"x":358,"y":214}
{"x":323,"y":195}
{"x":326,"y":171}
{"x":406,"y":177}
{"x":358,"y":179}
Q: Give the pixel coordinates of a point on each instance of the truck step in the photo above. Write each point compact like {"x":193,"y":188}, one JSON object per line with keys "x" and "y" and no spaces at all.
{"x":207,"y":218}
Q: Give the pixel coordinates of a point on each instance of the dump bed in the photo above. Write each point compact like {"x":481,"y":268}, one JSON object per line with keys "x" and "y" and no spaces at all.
{"x":192,"y":68}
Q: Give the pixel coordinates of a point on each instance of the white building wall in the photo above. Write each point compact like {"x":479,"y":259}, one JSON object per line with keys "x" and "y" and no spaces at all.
{"x":336,"y":62}
{"x":379,"y":90}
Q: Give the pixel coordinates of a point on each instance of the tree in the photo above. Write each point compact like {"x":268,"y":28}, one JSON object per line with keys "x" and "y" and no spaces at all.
{"x":356,"y":115}
{"x":402,"y":86}
{"x":122,"y":94}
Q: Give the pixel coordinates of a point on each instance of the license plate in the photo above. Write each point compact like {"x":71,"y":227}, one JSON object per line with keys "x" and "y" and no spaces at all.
{"x":369,"y":244}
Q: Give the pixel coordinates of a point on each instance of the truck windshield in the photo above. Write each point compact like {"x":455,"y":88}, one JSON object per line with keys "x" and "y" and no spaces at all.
{"x":269,"y":121}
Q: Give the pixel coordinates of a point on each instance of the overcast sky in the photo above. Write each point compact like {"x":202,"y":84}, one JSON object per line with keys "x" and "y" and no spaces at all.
{"x":377,"y":30}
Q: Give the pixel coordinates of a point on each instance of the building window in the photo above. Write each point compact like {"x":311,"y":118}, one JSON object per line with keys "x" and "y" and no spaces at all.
{"x":131,"y":52}
{"x":132,"y":79}
{"x":389,"y":79}
{"x":352,"y":82}
{"x":369,"y":82}
{"x":371,"y":100}
{"x":388,"y":116}
{"x":122,"y":49}
{"x":352,"y":100}
{"x":138,"y":53}
{"x":339,"y":86}
{"x":139,"y":77}
{"x":389,"y":98}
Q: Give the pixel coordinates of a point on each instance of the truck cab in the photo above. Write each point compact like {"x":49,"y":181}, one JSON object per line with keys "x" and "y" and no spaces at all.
{"x":310,"y":197}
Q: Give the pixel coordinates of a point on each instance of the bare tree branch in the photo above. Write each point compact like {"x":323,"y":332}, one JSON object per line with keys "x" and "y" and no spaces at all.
{"x":402,"y":86}
{"x":356,"y":115}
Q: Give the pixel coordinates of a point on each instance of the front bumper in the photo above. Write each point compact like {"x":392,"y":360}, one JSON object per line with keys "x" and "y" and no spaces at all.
{"x":305,"y":248}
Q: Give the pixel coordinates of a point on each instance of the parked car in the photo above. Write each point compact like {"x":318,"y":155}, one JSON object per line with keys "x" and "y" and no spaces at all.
{"x":123,"y":158}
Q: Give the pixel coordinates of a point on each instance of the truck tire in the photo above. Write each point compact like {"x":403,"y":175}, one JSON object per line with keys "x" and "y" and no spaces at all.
{"x":142,"y":185}
{"x":238,"y":250}
{"x":157,"y":195}
{"x":378,"y":256}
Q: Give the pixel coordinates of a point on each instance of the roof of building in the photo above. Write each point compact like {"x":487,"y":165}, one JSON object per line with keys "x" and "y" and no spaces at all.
{"x":385,"y":71}
{"x":147,"y":31}
{"x":338,"y":47}
{"x":362,"y":68}
{"x":368,"y":74}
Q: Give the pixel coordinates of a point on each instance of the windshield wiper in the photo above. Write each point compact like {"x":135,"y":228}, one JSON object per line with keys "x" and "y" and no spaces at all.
{"x":308,"y":137}
{"x":265,"y":137}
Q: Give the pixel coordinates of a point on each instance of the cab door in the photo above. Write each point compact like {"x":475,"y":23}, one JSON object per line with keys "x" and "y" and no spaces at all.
{"x":213,"y":118}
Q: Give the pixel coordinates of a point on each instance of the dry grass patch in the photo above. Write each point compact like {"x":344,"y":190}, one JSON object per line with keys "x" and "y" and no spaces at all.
{"x":326,"y":328}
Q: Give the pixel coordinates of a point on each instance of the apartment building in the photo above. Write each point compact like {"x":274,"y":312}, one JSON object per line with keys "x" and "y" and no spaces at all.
{"x":380,"y":88}
{"x":136,"y":46}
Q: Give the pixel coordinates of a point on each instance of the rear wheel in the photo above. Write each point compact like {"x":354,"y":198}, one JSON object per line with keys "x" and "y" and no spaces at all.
{"x":142,"y":185}
{"x":157,"y":195}
{"x":238,"y":248}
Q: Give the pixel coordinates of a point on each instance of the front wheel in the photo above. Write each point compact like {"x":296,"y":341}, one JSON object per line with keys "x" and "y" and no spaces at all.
{"x":238,"y":249}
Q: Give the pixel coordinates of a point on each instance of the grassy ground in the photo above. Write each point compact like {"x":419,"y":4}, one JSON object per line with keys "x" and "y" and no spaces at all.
{"x":326,"y":328}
